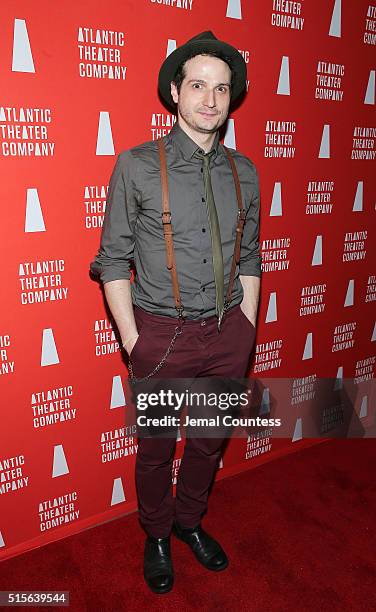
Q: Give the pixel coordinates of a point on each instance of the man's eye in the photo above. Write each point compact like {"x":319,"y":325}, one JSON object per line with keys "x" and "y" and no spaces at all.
{"x":197,"y":85}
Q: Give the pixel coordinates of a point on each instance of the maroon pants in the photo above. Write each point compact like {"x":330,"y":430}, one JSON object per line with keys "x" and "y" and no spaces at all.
{"x":200,"y":351}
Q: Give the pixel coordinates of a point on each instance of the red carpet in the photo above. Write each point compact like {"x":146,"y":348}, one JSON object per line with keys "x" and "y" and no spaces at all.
{"x":299,"y":532}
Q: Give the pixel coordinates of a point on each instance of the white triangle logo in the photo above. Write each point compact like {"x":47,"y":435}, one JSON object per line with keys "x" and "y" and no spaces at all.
{"x":118,"y":495}
{"x":317,"y":252}
{"x":349,"y":299}
{"x":373,"y":338}
{"x":105,"y":143}
{"x":49,"y":351}
{"x":325,"y":143}
{"x":298,"y":431}
{"x":271,"y":314}
{"x":171,"y":46}
{"x":276,"y":207}
{"x":234,"y":9}
{"x":308,"y":352}
{"x":358,"y":202}
{"x":338,"y":383}
{"x":34,"y":221}
{"x":229,"y":139}
{"x":22,"y":57}
{"x":283,"y":88}
{"x":335,"y":24}
{"x":60,"y":466}
{"x":2,"y":543}
{"x":265,"y":402}
{"x":370,"y":93}
{"x":117,"y":393}
{"x":363,"y":407}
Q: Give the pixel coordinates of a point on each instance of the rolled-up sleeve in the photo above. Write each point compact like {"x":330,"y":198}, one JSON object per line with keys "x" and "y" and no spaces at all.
{"x":250,"y":258}
{"x":117,"y":240}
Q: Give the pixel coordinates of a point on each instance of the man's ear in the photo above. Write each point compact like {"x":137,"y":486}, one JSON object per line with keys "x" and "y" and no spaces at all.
{"x":174,"y":92}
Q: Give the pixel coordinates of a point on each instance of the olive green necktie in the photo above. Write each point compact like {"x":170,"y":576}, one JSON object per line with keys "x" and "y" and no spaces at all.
{"x":215,"y":236}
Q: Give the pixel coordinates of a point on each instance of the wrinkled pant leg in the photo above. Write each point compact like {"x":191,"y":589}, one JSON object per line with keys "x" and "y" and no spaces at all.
{"x":154,"y":484}
{"x":197,"y":469}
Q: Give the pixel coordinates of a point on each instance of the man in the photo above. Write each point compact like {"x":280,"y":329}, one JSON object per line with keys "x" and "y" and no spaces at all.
{"x":184,"y":319}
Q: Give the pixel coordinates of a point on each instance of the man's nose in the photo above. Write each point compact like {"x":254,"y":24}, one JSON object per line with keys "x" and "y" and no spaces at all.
{"x":209,"y":99}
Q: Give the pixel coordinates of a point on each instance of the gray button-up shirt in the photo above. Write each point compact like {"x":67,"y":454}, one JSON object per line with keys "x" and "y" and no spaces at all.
{"x":133,"y":231}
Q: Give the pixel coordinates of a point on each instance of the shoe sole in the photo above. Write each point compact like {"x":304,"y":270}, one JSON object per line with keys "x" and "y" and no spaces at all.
{"x":212,"y":569}
{"x":159,"y":591}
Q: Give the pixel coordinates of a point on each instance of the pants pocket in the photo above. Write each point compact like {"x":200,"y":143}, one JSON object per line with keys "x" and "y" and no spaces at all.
{"x":248,"y":322}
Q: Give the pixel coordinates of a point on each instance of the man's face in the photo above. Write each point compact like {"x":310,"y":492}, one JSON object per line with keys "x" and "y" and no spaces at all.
{"x":204,"y":98}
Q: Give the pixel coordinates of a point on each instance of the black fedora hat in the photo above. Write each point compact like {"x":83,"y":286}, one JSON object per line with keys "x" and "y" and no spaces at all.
{"x":202,"y":43}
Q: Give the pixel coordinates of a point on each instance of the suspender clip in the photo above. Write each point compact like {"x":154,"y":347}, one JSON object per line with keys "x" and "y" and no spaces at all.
{"x":167,"y":212}
{"x":180,"y":311}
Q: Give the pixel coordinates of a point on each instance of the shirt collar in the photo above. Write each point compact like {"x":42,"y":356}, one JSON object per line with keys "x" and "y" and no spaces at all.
{"x":186,"y":144}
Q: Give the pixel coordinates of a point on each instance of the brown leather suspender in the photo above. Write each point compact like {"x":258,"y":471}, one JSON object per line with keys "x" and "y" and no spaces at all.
{"x":168,"y":233}
{"x":239,"y":228}
{"x":167,"y":228}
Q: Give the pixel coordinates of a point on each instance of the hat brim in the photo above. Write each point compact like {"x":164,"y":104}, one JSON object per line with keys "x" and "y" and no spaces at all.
{"x":172,"y":62}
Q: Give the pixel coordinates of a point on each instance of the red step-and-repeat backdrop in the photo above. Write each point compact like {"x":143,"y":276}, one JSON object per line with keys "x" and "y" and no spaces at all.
{"x":78,"y":86}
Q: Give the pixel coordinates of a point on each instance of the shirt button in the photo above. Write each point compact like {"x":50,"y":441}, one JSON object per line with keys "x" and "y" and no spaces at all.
{"x":204,"y":260}
{"x":202,"y":170}
{"x":203,"y":289}
{"x":202,"y":199}
{"x":203,"y":229}
{"x":203,"y":323}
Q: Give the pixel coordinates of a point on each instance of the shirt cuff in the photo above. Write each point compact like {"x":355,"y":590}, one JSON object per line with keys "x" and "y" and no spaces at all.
{"x":111,"y":272}
{"x":250,"y":268}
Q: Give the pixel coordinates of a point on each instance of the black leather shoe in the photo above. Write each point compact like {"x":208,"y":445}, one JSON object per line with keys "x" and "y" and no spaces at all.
{"x":158,"y":571}
{"x":206,"y":550}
